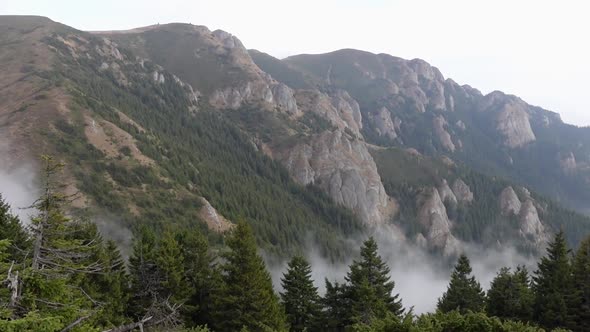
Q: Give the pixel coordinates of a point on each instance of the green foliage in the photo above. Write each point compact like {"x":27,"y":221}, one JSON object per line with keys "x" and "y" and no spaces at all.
{"x":579,"y":303}
{"x":553,"y":285}
{"x":335,"y":304}
{"x":247,"y":298}
{"x":370,"y":288}
{"x":510,"y":295}
{"x":198,"y":154}
{"x":464,"y":292}
{"x":300,"y":297}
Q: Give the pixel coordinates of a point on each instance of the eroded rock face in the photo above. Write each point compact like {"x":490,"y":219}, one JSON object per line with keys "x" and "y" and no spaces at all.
{"x":215,"y":221}
{"x":531,"y":226}
{"x":509,"y":202}
{"x":256,"y":87}
{"x":462,"y":191}
{"x":512,"y":118}
{"x":284,"y":97}
{"x":446,"y":194}
{"x":382,"y":123}
{"x":433,"y":216}
{"x":235,"y":96}
{"x":324,"y":106}
{"x":348,"y":110}
{"x":343,"y":167}
{"x":441,"y":133}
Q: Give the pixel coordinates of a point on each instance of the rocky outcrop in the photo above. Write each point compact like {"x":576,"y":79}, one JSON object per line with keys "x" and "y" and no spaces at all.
{"x":323,"y":105}
{"x":512,"y":118}
{"x":462,"y":191}
{"x":343,"y":167}
{"x":509,"y":202}
{"x":381,"y":121}
{"x":446,"y":194}
{"x":284,"y":98}
{"x":531,"y":227}
{"x":233,"y":97}
{"x":432,"y":215}
{"x":348,"y":109}
{"x":215,"y":221}
{"x":444,"y":138}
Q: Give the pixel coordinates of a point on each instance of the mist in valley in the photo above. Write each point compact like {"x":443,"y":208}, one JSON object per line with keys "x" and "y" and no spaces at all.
{"x":420,"y":277}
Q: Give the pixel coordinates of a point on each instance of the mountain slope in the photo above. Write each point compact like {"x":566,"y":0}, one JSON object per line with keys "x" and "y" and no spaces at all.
{"x":178,"y":126}
{"x":409,"y":103}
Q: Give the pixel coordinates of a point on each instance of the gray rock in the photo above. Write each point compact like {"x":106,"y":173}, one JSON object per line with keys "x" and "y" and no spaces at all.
{"x":432,"y":215}
{"x":343,"y":167}
{"x":462,"y":191}
{"x":446,"y":194}
{"x":349,"y":110}
{"x":512,"y":118}
{"x":531,"y":227}
{"x":284,"y":98}
{"x":509,"y":202}
{"x":381,"y":120}
{"x":444,"y":138}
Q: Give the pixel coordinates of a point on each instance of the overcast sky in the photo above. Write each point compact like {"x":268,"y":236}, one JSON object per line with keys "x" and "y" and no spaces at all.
{"x":536,"y":49}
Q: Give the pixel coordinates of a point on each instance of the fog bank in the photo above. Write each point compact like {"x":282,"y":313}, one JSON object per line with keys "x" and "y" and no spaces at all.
{"x":420,"y":278}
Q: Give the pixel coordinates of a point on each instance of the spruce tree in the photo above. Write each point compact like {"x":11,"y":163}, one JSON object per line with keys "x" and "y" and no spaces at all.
{"x":579,"y":304}
{"x":370,"y":288}
{"x":62,"y":258}
{"x":510,"y":295}
{"x":12,"y":229}
{"x":335,"y":308}
{"x":552,"y":285}
{"x":300,"y":297}
{"x":464,"y":293}
{"x":247,"y":298}
{"x":201,"y":275}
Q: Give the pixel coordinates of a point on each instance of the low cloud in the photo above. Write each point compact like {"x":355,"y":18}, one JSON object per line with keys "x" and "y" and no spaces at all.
{"x":19,"y":189}
{"x":420,"y":278}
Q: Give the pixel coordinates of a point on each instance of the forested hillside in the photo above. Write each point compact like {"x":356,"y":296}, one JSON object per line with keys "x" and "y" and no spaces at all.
{"x":62,"y":275}
{"x":178,"y":126}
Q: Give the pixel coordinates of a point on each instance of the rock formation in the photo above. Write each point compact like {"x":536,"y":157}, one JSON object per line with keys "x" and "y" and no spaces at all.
{"x":462,"y":191}
{"x":509,"y":202}
{"x":384,"y":126}
{"x":343,"y":167}
{"x":432,"y":215}
{"x":444,"y":138}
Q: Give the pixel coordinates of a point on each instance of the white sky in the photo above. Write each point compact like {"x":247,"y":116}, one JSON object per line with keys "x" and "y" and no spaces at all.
{"x":538,"y":50}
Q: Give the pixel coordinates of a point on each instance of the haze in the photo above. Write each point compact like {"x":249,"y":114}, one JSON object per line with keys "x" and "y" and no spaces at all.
{"x":534,"y":49}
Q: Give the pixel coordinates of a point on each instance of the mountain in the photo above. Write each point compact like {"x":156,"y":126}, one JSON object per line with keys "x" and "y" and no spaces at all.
{"x":178,"y":126}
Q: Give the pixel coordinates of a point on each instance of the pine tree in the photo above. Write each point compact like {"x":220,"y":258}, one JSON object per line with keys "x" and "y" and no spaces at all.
{"x":113,"y":286}
{"x":579,"y":303}
{"x":335,"y":308}
{"x":62,"y":258}
{"x":170,"y":262}
{"x":552,"y":285}
{"x":247,"y":298}
{"x":12,"y":229}
{"x":464,"y":293}
{"x":202,"y":277}
{"x":370,"y":287}
{"x":300,"y":297}
{"x":510,"y":295}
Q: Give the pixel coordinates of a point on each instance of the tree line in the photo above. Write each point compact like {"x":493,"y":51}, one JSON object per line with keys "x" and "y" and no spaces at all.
{"x":59,"y":274}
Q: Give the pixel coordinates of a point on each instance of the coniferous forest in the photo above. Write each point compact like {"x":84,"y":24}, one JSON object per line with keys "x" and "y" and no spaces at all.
{"x":59,"y":274}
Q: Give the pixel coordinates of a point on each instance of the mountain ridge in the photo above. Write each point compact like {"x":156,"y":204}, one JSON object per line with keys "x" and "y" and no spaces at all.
{"x":147,"y":116}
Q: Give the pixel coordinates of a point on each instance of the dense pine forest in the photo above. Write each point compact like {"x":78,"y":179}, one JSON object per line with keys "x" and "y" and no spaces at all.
{"x":60,"y":274}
